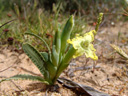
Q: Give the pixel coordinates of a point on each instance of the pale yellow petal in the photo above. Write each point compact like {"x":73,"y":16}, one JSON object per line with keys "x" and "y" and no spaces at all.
{"x":83,"y":45}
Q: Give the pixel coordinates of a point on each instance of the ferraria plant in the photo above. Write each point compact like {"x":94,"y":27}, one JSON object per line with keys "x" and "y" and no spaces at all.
{"x":51,"y":64}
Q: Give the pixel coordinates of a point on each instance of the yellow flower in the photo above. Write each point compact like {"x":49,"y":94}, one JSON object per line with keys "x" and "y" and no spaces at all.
{"x":83,"y":44}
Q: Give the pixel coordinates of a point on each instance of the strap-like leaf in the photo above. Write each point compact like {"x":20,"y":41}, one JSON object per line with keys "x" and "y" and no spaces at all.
{"x":25,"y":77}
{"x":37,"y":59}
{"x":54,"y":56}
{"x":51,"y":69}
{"x":40,"y":39}
{"x":69,"y":55}
{"x":60,"y":70}
{"x":65,"y":62}
{"x":48,"y":65}
{"x":44,"y":55}
{"x":35,"y":56}
{"x":57,"y":41}
{"x":66,"y":33}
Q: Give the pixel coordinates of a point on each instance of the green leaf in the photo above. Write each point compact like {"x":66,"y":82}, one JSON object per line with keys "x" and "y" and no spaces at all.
{"x":40,"y":39}
{"x":37,"y":59}
{"x":60,"y":70}
{"x":25,"y":77}
{"x":69,"y":55}
{"x":49,"y":66}
{"x":44,"y":55}
{"x":57,"y":41}
{"x":65,"y":62}
{"x":66,"y":33}
{"x":54,"y":56}
{"x":51,"y":69}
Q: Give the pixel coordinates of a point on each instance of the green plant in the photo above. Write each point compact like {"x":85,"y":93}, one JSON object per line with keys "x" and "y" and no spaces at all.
{"x":53,"y":63}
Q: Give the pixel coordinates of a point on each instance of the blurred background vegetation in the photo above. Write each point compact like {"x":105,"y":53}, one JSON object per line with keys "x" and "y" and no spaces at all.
{"x":79,"y":6}
{"x":68,"y":6}
{"x":44,"y":17}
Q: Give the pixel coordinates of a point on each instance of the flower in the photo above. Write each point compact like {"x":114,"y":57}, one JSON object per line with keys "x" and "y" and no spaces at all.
{"x":83,"y":44}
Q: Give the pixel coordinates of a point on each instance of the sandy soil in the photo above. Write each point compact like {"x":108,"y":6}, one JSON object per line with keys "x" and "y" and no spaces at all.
{"x":108,"y":74}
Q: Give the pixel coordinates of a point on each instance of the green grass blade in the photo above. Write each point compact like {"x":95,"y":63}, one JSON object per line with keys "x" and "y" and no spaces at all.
{"x":7,"y":22}
{"x":25,"y":77}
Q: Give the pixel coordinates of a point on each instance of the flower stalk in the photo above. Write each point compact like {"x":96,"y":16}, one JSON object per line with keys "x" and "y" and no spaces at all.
{"x":99,"y":21}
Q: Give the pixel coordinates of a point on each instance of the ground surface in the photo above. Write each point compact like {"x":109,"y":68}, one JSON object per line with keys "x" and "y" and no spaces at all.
{"x":107,"y":75}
